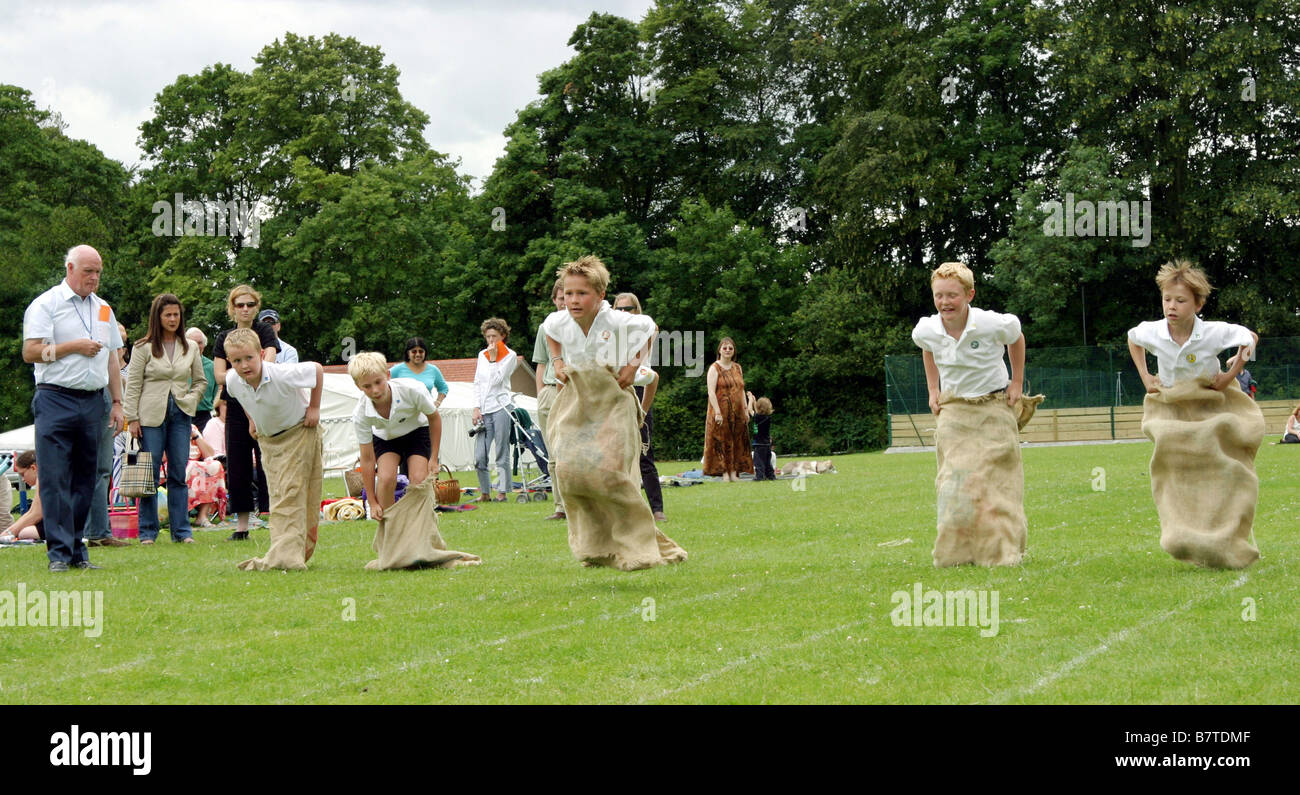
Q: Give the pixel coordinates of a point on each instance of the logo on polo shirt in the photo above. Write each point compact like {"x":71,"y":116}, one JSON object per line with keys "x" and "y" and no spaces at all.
{"x":974,"y":343}
{"x":1191,"y":358}
{"x":604,"y":335}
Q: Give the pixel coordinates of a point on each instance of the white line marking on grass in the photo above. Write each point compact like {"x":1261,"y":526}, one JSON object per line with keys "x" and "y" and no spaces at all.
{"x":759,"y":655}
{"x":1113,"y":639}
{"x":746,"y":590}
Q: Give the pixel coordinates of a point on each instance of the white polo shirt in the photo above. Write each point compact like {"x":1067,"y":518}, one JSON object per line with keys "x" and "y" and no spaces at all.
{"x":411,"y":403}
{"x":1199,"y":356}
{"x":614,"y":338}
{"x":280,"y":400}
{"x":59,"y":315}
{"x":971,"y":365}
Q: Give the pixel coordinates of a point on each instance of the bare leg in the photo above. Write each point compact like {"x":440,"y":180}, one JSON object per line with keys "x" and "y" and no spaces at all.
{"x":386,"y":479}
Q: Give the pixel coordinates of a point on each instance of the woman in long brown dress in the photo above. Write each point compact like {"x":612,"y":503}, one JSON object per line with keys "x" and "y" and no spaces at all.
{"x":726,"y":428}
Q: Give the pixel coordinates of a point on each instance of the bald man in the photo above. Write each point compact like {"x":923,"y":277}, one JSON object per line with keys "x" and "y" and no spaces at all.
{"x":71,"y":335}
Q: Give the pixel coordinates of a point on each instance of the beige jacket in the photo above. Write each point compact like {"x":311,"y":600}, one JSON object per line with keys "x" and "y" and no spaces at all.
{"x":150,"y":379}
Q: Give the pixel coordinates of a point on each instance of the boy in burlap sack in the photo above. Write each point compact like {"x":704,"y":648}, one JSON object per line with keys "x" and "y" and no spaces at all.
{"x":980,"y":409}
{"x":285,"y":421}
{"x":594,"y":424}
{"x":396,"y":422}
{"x":1205,"y":429}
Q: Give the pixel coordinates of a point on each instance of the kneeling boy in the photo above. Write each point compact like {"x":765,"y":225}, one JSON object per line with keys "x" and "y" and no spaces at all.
{"x":284,"y":420}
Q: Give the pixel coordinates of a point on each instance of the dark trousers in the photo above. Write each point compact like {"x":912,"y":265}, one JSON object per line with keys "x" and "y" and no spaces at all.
{"x":67,"y":448}
{"x":242,"y":473}
{"x":763,"y":461}
{"x":654,"y":494}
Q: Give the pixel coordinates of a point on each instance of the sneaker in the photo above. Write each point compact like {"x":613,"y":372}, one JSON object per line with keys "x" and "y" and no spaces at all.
{"x":82,"y":564}
{"x":58,"y":565}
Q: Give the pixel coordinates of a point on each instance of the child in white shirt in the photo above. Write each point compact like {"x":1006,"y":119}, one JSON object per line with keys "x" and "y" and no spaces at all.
{"x":980,"y":482}
{"x":1205,"y":429}
{"x":284,"y":419}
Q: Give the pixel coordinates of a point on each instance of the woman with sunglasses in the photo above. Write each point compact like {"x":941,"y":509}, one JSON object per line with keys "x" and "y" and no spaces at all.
{"x":242,"y":305}
{"x":415,"y":364}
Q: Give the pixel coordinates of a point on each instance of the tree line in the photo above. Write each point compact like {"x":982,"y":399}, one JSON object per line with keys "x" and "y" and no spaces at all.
{"x":784,"y":172}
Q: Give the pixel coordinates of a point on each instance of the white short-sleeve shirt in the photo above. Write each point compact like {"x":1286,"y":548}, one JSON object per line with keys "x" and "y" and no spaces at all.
{"x":971,"y":365}
{"x":1199,"y":356}
{"x":280,"y":400}
{"x":411,"y":405}
{"x":614,"y":338}
{"x":60,"y":315}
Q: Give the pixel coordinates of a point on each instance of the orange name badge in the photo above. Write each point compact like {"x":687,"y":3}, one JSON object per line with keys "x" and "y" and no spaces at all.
{"x":105,"y":313}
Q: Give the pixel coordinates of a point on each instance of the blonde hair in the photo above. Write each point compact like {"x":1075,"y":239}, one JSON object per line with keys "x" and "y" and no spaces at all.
{"x":631,"y":298}
{"x":1181,"y":270}
{"x":558,"y":287}
{"x":762,"y":406}
{"x":368,"y":363}
{"x":954,"y":270}
{"x":243,"y":338}
{"x":589,"y":268}
{"x":243,"y":289}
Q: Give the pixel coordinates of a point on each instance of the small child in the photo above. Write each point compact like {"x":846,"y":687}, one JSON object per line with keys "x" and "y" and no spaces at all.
{"x":397,"y":423}
{"x":980,"y":412}
{"x":761,"y":411}
{"x":284,"y":420}
{"x":1205,"y":429}
{"x":595,"y":442}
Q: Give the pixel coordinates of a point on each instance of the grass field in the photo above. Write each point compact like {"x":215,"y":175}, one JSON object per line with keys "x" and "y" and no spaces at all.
{"x":786,"y":598}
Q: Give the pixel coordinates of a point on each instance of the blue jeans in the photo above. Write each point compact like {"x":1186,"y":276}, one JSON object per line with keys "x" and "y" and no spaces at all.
{"x":496,"y":432}
{"x":174,"y":435}
{"x":97,"y":523}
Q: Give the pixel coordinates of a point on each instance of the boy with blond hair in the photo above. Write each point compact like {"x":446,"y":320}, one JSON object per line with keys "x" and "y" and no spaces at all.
{"x":980,"y":410}
{"x":594,"y":424}
{"x":395,"y":423}
{"x":1205,"y":429}
{"x":284,"y":419}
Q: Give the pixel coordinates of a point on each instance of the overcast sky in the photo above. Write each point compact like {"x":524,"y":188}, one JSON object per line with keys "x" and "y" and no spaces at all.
{"x":470,"y":65}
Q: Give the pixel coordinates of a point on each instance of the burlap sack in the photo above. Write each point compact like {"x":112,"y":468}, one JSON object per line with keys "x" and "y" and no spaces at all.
{"x":1203,"y":471}
{"x":595,"y":449}
{"x":293,"y":477}
{"x":407,"y":537}
{"x":980,"y":483}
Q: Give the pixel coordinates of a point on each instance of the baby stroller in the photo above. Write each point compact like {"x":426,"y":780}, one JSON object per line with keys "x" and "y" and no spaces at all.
{"x":530,"y":439}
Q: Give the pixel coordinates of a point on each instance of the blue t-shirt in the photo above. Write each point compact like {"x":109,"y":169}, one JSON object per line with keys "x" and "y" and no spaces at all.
{"x":431,"y":377}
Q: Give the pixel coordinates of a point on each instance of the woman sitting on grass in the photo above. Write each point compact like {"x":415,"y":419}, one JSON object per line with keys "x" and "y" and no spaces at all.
{"x":206,"y":479}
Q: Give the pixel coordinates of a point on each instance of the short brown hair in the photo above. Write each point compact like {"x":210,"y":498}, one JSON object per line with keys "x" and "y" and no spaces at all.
{"x":1181,"y":270}
{"x":589,"y":268}
{"x":25,"y":460}
{"x":502,"y":327}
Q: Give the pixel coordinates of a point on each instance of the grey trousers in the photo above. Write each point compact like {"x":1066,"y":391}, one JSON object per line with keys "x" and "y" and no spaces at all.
{"x":497,"y":434}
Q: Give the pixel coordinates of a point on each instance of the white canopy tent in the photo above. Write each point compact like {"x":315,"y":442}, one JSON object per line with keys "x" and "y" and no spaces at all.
{"x":457,"y":452}
{"x":338,"y":401}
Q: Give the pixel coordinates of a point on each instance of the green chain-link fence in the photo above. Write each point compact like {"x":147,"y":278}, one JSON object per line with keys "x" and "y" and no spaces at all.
{"x":1083,"y":377}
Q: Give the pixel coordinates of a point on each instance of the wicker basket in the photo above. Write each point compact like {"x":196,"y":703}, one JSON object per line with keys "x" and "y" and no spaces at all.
{"x":446,"y":491}
{"x":353,"y":480}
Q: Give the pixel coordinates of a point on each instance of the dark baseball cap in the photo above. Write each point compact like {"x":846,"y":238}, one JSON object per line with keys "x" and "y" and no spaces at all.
{"x":268,"y":316}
